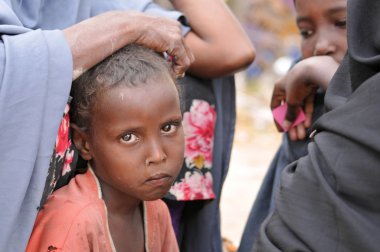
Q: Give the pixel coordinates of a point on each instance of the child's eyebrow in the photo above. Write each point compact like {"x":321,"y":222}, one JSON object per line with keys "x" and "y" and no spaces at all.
{"x":300,"y":19}
{"x":329,"y":12}
{"x":336,"y":10}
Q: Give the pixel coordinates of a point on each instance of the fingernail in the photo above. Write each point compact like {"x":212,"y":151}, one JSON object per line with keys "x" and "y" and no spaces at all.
{"x":286,"y":124}
{"x":181,"y":75}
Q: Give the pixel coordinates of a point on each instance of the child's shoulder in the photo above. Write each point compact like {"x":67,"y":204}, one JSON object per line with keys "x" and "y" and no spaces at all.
{"x":82,"y":190}
{"x":73,"y":209}
{"x":80,"y":197}
{"x":157,"y":207}
{"x":158,"y":222}
{"x":156,"y":211}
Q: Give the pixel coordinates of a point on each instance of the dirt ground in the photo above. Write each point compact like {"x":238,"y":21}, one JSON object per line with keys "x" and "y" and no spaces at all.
{"x":256,"y":141}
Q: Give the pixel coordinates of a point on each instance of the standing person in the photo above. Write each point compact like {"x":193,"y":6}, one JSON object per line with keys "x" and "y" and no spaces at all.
{"x":328,"y":200}
{"x":209,"y":121}
{"x":44,"y":45}
{"x":322,"y":26}
{"x":134,"y":152}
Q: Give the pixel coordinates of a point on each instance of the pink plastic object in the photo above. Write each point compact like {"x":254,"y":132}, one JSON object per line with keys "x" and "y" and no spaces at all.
{"x":280,"y":112}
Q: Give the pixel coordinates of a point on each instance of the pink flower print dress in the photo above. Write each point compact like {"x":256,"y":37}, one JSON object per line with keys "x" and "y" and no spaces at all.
{"x":195,"y":181}
{"x":63,"y":161}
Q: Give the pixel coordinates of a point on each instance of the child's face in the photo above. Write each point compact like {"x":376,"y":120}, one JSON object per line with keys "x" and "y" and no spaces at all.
{"x":322,"y":25}
{"x":136,"y":140}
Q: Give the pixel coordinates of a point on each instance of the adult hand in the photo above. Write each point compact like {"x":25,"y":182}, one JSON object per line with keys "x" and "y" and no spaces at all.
{"x":297,"y":88}
{"x":96,"y":38}
{"x":165,"y":35}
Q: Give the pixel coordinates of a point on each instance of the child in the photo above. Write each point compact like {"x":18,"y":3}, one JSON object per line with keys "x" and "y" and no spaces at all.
{"x":329,"y":200}
{"x":126,"y":122}
{"x":322,"y":26}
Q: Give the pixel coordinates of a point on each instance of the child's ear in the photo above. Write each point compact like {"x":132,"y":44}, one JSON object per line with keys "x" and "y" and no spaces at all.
{"x":80,"y":139}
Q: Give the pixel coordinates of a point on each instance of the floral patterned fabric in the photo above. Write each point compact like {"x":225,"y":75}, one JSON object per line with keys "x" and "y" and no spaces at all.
{"x":195,"y":181}
{"x":63,"y":160}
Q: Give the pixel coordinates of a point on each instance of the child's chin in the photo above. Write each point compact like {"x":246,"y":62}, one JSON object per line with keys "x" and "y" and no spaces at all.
{"x":155,"y":196}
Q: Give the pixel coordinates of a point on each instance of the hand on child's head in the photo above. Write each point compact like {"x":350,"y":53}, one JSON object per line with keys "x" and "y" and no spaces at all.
{"x":165,"y":35}
{"x":181,"y":59}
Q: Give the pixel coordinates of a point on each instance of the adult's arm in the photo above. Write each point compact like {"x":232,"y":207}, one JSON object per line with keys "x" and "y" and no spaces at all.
{"x":219,"y":43}
{"x":94,"y":39}
{"x":217,"y":40}
{"x":35,"y":77}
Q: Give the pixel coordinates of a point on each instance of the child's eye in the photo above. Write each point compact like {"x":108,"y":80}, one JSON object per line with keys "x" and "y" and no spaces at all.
{"x":305,"y":33}
{"x":170,"y":127}
{"x":129,"y":138}
{"x":341,"y":23}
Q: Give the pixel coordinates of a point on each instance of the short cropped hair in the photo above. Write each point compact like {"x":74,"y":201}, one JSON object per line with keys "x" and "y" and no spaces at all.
{"x":130,"y":66}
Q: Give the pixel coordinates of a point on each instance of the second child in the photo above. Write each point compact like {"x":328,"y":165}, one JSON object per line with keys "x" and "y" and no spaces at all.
{"x":322,"y":26}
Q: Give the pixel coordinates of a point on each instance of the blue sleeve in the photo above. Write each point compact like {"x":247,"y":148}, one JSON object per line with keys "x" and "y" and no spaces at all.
{"x":35,"y":79}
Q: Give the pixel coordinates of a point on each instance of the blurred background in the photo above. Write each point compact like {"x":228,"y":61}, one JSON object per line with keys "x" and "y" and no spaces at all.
{"x":270,"y":24}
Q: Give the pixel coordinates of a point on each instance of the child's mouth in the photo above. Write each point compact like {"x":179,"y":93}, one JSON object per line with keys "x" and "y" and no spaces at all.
{"x":158,"y":179}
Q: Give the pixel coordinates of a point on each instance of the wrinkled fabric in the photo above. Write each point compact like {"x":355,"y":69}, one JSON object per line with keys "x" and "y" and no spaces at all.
{"x":288,"y":152}
{"x":75,"y":219}
{"x":329,"y":200}
{"x":35,"y":78}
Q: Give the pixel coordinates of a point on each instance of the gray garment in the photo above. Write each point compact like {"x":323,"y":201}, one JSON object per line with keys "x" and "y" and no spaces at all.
{"x":36,"y":73}
{"x":288,"y":152}
{"x":329,"y":200}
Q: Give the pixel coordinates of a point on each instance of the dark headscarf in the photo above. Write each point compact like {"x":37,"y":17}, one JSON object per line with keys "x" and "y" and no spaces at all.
{"x":330,"y":199}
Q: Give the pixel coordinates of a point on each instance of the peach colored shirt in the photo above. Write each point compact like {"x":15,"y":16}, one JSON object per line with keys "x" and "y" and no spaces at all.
{"x":75,"y":219}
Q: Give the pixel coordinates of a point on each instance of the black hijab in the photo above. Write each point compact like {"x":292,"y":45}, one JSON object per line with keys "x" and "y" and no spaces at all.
{"x":329,"y":200}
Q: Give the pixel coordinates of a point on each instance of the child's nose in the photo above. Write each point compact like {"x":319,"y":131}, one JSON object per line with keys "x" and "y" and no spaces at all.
{"x":156,"y":153}
{"x":323,"y":45}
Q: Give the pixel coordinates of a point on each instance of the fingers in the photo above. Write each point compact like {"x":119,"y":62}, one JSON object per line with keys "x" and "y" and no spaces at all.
{"x":165,"y":35}
{"x":297,"y":133}
{"x":278,"y":95}
{"x":291,"y":115}
{"x":292,"y":133}
{"x":301,"y":131}
{"x":170,"y":39}
{"x":181,"y":57}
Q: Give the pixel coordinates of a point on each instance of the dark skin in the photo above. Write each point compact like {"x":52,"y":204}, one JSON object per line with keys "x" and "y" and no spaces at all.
{"x":135,"y":151}
{"x":322,"y":25}
{"x":216,"y":40}
{"x":96,"y":38}
{"x":129,"y":225}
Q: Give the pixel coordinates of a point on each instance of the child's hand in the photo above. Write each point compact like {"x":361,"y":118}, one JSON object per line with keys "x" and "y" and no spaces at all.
{"x":304,"y":95}
{"x":297,"y":88}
